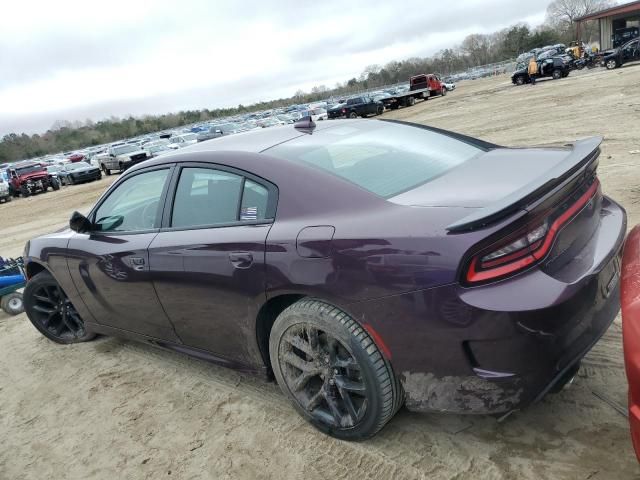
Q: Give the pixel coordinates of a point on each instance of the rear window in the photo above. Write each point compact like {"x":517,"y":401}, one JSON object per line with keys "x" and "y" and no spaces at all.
{"x":382,"y":157}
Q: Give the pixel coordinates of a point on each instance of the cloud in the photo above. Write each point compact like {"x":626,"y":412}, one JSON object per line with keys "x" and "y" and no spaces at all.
{"x":74,"y":59}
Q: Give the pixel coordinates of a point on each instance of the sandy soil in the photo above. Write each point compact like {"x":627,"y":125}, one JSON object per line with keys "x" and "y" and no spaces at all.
{"x":115,"y":409}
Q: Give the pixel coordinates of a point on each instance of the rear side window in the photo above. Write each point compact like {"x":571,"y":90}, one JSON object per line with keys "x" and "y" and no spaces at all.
{"x":382,"y":157}
{"x":209,"y":197}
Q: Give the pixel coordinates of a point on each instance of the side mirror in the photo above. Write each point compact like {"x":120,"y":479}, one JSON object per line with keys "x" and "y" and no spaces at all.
{"x":79,"y":223}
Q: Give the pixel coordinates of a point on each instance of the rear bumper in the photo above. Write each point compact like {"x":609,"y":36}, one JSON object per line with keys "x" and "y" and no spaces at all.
{"x":630,"y":302}
{"x":500,"y":347}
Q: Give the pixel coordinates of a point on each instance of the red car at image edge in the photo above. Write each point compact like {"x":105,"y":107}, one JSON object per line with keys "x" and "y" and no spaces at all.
{"x":630,"y":302}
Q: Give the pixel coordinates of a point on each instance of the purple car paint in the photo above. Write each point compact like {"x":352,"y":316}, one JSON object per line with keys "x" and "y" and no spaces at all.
{"x":391,"y":259}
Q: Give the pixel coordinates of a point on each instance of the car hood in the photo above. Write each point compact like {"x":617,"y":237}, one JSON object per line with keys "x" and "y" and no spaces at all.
{"x":131,"y":154}
{"x":484,"y":179}
{"x":33,"y":176}
{"x":88,"y":168}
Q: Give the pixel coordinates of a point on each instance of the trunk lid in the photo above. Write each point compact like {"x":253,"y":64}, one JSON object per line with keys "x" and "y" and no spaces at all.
{"x":505,"y":180}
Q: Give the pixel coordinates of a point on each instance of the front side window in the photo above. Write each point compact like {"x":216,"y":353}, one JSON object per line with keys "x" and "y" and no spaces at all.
{"x":133,"y":205}
{"x":209,"y":197}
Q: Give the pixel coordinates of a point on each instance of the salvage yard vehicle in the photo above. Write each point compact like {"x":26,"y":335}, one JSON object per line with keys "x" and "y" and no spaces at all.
{"x":184,"y":140}
{"x":28,"y":178}
{"x":120,"y":156}
{"x":5,"y":193}
{"x":362,"y":106}
{"x":430,"y":82}
{"x":80,"y":172}
{"x":629,"y":52}
{"x":556,"y":68}
{"x":630,"y":300}
{"x":441,"y":270}
{"x":12,"y":279}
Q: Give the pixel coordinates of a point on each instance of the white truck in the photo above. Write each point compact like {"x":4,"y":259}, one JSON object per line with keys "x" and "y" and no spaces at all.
{"x":121,"y":156}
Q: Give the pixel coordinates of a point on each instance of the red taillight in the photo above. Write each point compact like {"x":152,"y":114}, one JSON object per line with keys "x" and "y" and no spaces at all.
{"x":344,"y":110}
{"x":526,"y":249}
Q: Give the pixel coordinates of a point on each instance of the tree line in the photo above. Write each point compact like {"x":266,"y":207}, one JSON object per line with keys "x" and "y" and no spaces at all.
{"x":475,"y":50}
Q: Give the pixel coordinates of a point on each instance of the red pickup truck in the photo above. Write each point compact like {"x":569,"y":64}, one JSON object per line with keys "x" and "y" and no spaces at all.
{"x":428,"y":81}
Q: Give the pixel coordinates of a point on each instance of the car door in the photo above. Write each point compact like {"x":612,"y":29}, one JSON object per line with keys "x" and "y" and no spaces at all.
{"x":110,"y":264}
{"x":208,"y":261}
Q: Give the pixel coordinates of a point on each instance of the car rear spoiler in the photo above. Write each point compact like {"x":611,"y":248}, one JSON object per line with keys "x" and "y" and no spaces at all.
{"x":583,"y":153}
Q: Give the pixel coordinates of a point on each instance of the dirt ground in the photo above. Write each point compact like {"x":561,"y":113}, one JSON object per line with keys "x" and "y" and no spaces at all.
{"x":115,"y":409}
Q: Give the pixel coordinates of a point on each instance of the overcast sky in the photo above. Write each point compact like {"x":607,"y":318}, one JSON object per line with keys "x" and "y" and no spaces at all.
{"x":73,"y":60}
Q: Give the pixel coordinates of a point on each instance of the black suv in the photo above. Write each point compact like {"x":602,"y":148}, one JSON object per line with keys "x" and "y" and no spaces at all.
{"x":555,"y":67}
{"x":629,"y":52}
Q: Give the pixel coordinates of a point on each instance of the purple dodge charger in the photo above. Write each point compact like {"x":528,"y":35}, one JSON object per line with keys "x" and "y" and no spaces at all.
{"x":364,"y":264}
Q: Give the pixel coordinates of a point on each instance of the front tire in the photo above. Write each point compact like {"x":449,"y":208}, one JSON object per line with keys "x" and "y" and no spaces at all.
{"x":332,"y":371}
{"x":353,"y":115}
{"x":611,"y":64}
{"x":444,"y":91}
{"x":12,"y":303}
{"x":51,"y":312}
{"x":520,"y":80}
{"x":557,"y":74}
{"x":106,"y":170}
{"x":55,"y":185}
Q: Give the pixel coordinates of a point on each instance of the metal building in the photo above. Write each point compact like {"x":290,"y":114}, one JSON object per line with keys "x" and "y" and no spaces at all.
{"x":620,"y":21}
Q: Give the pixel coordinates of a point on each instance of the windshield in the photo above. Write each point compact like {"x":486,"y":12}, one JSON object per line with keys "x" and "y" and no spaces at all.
{"x":27,"y":170}
{"x":382,"y":157}
{"x":122,"y":149}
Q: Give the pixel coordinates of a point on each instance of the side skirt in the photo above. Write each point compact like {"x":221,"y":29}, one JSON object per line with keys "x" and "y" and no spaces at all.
{"x":260,"y":371}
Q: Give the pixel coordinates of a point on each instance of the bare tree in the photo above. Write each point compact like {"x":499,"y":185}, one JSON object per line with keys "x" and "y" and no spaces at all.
{"x":562,"y":14}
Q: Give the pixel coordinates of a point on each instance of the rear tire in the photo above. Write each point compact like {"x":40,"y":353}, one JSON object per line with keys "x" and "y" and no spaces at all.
{"x":51,"y":312}
{"x":380,"y":110}
{"x":106,"y":170}
{"x":557,"y":74}
{"x":71,"y":181}
{"x":411,"y":101}
{"x":55,"y":185}
{"x":444,"y":91}
{"x":332,"y":371}
{"x":12,"y":303}
{"x":520,"y":80}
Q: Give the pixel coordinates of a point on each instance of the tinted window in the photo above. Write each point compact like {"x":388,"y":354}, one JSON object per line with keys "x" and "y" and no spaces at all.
{"x":133,"y":205}
{"x":382,"y":157}
{"x":206,"y":197}
{"x":254,"y":201}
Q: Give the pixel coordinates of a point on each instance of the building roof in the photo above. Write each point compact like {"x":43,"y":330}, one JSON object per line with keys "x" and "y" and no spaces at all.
{"x":630,"y":7}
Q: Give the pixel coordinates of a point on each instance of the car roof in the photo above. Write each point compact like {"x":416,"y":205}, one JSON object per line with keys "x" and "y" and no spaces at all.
{"x":255,"y":141}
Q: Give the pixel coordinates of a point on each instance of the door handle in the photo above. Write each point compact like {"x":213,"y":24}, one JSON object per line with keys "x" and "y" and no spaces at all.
{"x":137,"y":263}
{"x":241,"y":259}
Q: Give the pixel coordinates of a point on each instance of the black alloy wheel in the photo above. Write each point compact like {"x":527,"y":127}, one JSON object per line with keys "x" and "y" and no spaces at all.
{"x":51,"y":312}
{"x":332,"y":371}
